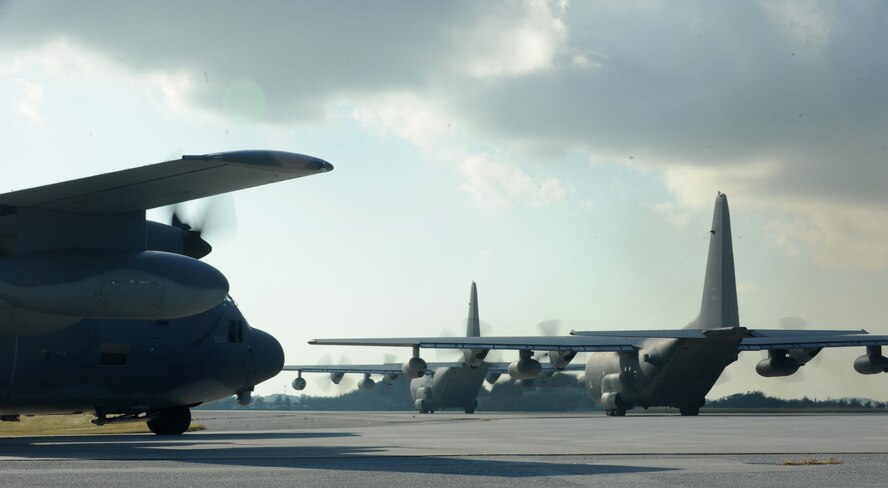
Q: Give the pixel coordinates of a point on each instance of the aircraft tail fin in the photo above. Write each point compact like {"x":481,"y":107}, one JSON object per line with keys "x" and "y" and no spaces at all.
{"x":719,"y":306}
{"x":473,"y":323}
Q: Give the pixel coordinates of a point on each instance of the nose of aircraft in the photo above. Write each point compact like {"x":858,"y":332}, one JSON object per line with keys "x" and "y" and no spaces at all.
{"x":266,"y":359}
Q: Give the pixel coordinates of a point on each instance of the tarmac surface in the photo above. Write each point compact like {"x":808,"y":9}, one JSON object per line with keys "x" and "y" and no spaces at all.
{"x":346,"y":449}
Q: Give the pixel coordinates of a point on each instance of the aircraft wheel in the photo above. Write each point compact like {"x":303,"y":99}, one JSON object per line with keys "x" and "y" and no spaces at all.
{"x":689,"y":411}
{"x":615,"y":412}
{"x":470,"y":410}
{"x":171,"y":421}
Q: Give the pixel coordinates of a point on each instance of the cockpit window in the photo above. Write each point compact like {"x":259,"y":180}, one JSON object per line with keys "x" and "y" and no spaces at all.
{"x":235,"y":331}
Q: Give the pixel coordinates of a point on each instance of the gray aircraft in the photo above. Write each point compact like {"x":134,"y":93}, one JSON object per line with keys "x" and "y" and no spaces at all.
{"x":441,"y":385}
{"x":673,"y":368}
{"x":102,"y":311}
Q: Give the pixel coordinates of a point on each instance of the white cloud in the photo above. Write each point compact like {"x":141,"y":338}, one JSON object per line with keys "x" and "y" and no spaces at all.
{"x":491,"y":181}
{"x":835,"y":237}
{"x":807,"y":22}
{"x":29,"y":104}
{"x":495,"y":185}
{"x":518,"y":39}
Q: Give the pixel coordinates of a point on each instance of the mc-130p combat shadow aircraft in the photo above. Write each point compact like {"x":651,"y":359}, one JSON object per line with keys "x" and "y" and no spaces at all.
{"x":102,"y":311}
{"x":443,"y":384}
{"x":672,"y":368}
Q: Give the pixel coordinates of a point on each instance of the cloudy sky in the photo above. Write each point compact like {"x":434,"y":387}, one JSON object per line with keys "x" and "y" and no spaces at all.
{"x":564,"y":155}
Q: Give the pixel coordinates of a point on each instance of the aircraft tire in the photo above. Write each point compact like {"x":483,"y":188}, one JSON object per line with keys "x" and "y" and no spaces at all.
{"x":689,"y":411}
{"x":616,"y":412}
{"x":171,"y":421}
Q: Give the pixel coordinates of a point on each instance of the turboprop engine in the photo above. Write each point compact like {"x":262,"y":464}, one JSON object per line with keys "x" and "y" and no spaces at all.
{"x":47,"y":290}
{"x":526,"y":367}
{"x":299,"y":384}
{"x":561,"y":359}
{"x":366,"y":383}
{"x":414,"y":368}
{"x":778,"y":363}
{"x":873,"y":362}
{"x":474,"y":357}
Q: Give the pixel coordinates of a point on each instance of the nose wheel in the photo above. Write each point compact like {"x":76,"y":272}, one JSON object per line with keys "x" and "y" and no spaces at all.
{"x":171,"y":421}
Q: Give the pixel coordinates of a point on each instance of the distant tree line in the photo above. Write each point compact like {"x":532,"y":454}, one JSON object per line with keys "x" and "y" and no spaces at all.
{"x":561,"y":393}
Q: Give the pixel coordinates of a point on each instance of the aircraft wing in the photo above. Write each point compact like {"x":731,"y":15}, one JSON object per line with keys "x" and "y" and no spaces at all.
{"x":812,"y":341}
{"x":345,"y":368}
{"x":617,"y":341}
{"x":557,"y":343}
{"x":108,"y":210}
{"x":161,"y":184}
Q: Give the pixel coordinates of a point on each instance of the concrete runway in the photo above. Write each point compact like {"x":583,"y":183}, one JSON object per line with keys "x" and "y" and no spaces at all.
{"x":454,"y":449}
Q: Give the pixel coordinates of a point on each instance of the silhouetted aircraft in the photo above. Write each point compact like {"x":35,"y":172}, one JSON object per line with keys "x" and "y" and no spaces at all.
{"x":673,"y":368}
{"x":442,"y":384}
{"x":102,"y":311}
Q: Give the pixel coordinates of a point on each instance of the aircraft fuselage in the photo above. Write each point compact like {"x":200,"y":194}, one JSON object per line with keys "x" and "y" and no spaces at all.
{"x":453,"y":387}
{"x":135,"y":366}
{"x":664,"y":372}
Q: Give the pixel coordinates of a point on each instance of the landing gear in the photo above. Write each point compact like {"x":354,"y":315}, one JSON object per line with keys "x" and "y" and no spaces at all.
{"x":471,"y":408}
{"x":171,"y":421}
{"x":615,"y":412}
{"x":689,"y":411}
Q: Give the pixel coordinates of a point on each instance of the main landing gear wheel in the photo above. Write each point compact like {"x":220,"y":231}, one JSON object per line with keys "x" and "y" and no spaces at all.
{"x":689,"y":411}
{"x":471,"y":408}
{"x":171,"y":421}
{"x":616,"y":412}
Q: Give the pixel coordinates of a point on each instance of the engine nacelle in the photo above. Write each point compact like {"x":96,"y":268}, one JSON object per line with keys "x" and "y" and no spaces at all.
{"x":873,"y":362}
{"x":336,"y":377}
{"x":525,"y":369}
{"x":103,"y":284}
{"x":492,"y":377}
{"x":414,"y":368}
{"x":299,"y":384}
{"x":560,"y":359}
{"x":390,"y":378}
{"x":474,"y":357}
{"x":366,"y":383}
{"x":777,"y":364}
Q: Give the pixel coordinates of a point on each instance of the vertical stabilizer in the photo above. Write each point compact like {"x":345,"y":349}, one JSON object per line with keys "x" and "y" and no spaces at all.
{"x":473,"y":323}
{"x":719,"y":307}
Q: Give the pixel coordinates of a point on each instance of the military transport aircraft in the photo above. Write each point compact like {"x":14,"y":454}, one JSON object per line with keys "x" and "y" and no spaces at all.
{"x":102,"y":311}
{"x":673,"y":368}
{"x":442,"y":385}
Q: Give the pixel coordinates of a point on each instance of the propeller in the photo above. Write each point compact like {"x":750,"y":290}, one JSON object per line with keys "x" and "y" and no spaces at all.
{"x":550,"y":328}
{"x":215,"y":216}
{"x":798,"y":376}
{"x":326,"y":383}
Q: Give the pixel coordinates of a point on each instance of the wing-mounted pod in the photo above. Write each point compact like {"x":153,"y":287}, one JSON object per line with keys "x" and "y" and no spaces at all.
{"x":873,"y":362}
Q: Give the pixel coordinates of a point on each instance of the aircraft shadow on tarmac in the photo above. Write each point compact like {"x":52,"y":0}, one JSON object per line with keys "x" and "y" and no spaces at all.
{"x":236,"y":449}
